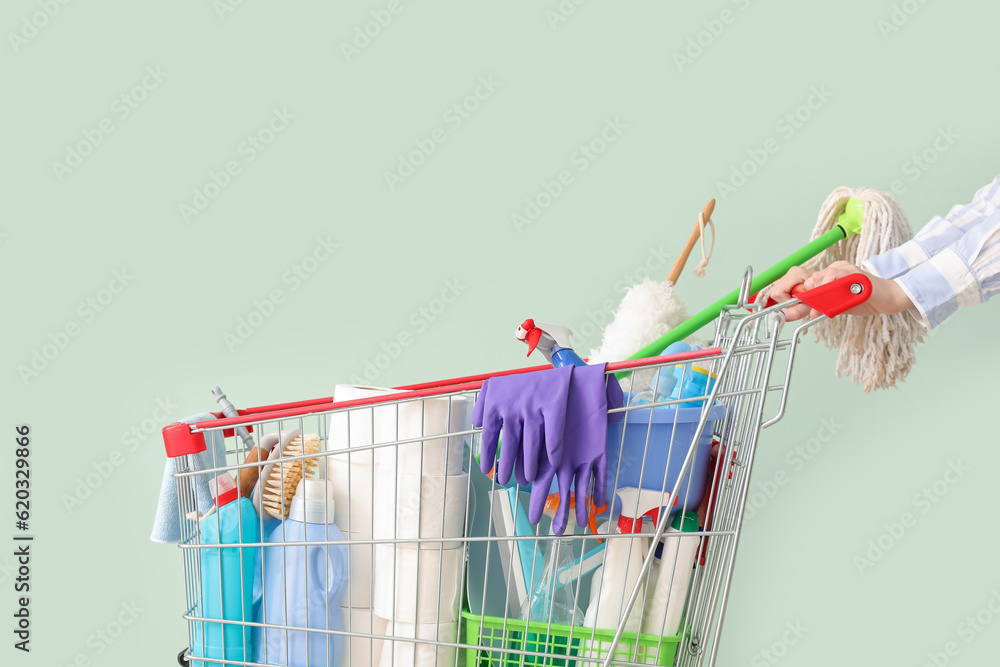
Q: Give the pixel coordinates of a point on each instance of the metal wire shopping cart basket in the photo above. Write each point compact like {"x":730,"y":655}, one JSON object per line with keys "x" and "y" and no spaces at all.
{"x":431,"y":563}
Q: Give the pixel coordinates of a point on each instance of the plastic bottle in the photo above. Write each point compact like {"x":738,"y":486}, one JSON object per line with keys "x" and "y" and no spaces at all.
{"x":664,"y":380}
{"x":552,"y":340}
{"x":226,"y":576}
{"x":665,"y":604}
{"x":550,"y":599}
{"x":622,"y":565}
{"x":609,"y":594}
{"x":692,"y":380}
{"x":303,"y":585}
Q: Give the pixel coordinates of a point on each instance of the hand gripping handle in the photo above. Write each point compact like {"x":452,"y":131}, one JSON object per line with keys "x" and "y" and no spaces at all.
{"x":835,"y":297}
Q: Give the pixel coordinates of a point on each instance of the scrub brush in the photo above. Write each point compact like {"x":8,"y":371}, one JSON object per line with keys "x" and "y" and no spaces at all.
{"x":278,"y":489}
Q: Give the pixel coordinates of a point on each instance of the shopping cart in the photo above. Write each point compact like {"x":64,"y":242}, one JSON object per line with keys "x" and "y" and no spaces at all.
{"x":437,"y":567}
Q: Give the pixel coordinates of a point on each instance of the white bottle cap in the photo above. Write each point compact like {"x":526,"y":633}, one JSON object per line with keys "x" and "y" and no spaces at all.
{"x":313,"y":502}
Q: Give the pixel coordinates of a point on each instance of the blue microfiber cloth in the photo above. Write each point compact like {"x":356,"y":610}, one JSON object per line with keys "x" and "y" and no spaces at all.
{"x":166,"y":523}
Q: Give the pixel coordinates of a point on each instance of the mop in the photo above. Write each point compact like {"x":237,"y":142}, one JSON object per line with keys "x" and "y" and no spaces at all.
{"x":650,"y":309}
{"x":879,"y":350}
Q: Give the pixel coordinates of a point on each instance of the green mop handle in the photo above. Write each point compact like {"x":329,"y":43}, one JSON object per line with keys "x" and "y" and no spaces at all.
{"x":848,"y":225}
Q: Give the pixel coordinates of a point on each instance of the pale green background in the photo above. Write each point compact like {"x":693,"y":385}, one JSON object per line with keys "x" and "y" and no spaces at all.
{"x":162,"y":338}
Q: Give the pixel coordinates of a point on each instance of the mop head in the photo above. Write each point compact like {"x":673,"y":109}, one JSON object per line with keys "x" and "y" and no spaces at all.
{"x":648,"y":311}
{"x":876,"y":351}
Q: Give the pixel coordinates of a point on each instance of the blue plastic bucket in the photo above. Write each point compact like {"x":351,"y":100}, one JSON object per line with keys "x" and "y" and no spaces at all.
{"x":632,"y":470}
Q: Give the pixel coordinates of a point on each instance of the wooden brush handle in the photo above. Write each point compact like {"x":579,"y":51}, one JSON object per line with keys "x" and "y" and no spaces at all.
{"x":249,"y":476}
{"x":675,"y":272}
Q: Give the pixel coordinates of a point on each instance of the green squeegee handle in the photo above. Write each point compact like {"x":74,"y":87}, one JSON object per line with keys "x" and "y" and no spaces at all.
{"x":760,"y":281}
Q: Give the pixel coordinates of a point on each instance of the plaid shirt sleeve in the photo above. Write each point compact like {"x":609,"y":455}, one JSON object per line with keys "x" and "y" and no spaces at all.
{"x":952,"y":262}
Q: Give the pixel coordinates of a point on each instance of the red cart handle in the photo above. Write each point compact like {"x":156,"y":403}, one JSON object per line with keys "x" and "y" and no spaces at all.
{"x":835,"y":297}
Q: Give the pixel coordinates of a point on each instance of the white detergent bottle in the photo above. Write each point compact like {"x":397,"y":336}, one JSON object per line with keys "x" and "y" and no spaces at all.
{"x":622,"y":565}
{"x":609,"y":592}
{"x":665,"y":604}
{"x":303,"y":584}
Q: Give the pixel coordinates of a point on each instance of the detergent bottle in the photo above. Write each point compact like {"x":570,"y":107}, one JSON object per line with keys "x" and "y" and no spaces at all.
{"x":665,"y":604}
{"x":623,"y":563}
{"x":303,"y":584}
{"x":552,"y":340}
{"x":227,"y":574}
{"x":692,"y":379}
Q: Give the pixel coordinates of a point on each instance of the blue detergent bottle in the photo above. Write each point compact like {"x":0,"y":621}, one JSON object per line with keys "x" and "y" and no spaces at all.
{"x":692,"y":379}
{"x":226,"y":576}
{"x":303,"y":585}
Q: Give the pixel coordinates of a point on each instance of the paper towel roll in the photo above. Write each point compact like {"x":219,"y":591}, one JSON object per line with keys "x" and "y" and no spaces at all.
{"x":361,"y":427}
{"x":396,"y":653}
{"x":422,"y":507}
{"x":360,"y":583}
{"x":354,"y":484}
{"x":434,"y":456}
{"x":418,"y":585}
{"x":362,"y":651}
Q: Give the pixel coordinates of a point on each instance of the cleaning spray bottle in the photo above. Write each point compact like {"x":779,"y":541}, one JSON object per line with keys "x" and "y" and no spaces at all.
{"x":553,"y":599}
{"x":226,"y":575}
{"x":612,"y":583}
{"x":303,"y":585}
{"x":552,"y":340}
{"x":672,"y":576}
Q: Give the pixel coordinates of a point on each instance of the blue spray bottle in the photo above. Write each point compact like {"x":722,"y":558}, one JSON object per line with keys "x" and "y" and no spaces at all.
{"x":226,"y":576}
{"x":552,"y":340}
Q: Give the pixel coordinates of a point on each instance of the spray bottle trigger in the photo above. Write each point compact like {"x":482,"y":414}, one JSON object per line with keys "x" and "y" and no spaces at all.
{"x":532,"y":338}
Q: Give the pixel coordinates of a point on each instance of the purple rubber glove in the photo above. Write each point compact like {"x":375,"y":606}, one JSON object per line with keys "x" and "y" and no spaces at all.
{"x":530,"y":408}
{"x":585,"y":455}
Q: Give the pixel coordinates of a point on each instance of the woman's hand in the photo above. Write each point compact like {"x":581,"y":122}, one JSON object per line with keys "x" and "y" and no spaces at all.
{"x":887,"y":297}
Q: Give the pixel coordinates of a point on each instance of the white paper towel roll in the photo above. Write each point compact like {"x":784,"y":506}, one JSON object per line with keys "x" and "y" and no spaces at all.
{"x":360,"y":583}
{"x":362,"y":651}
{"x":418,"y":585}
{"x":434,"y":456}
{"x":353,"y":484}
{"x":396,"y":653}
{"x":422,"y":507}
{"x":361,"y":427}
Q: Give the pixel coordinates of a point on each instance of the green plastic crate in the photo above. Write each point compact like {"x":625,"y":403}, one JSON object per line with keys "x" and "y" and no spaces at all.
{"x":496,"y":640}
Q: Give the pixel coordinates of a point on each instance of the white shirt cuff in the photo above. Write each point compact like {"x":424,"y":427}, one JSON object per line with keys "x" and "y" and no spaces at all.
{"x":940,"y":286}
{"x":897,"y":261}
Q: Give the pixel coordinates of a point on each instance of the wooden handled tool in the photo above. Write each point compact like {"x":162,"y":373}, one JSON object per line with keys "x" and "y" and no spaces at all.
{"x":249,"y":476}
{"x":675,"y":272}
